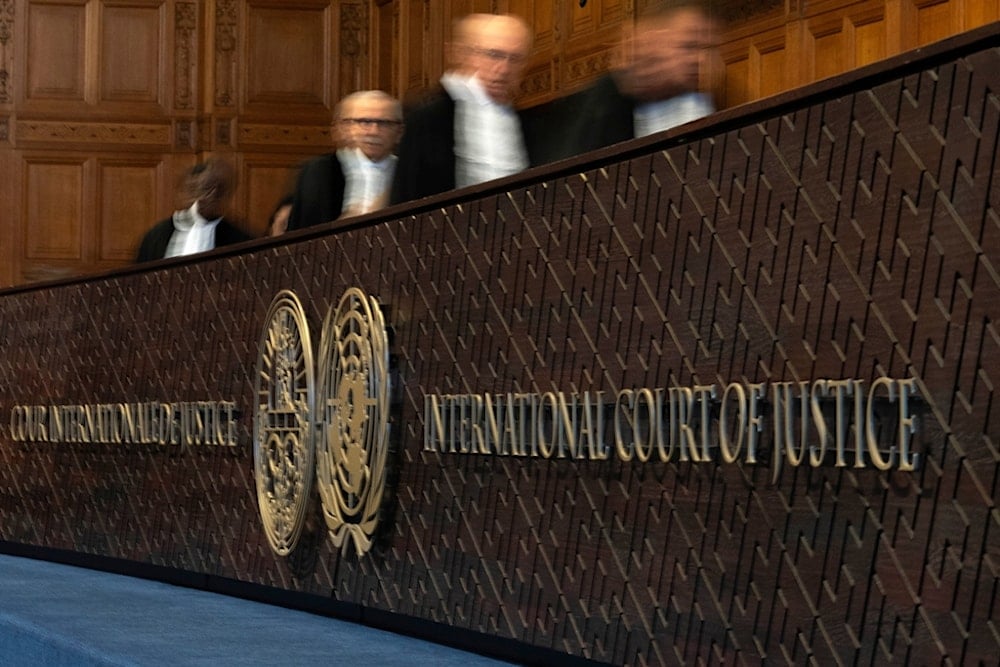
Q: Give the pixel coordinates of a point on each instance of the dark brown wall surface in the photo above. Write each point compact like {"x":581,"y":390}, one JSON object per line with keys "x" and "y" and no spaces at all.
{"x":850,"y":232}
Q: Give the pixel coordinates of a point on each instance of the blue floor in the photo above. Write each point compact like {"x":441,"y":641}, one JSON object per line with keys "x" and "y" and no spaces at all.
{"x":53,"y":614}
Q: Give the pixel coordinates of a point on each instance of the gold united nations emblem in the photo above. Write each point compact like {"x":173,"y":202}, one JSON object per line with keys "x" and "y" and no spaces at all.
{"x":347,"y":458}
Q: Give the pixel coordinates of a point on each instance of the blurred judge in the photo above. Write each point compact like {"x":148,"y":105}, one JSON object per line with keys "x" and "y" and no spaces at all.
{"x":659,"y":83}
{"x":468,"y":132}
{"x":356,"y":178}
{"x":206,"y":193}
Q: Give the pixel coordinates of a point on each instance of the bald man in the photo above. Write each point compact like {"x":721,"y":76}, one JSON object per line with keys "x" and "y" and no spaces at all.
{"x":468,"y":131}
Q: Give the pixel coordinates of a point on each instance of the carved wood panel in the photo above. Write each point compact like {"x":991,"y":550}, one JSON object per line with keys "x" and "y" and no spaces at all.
{"x":128,"y":190}
{"x":55,"y":52}
{"x":54,"y":194}
{"x":133,"y":53}
{"x":290,"y":58}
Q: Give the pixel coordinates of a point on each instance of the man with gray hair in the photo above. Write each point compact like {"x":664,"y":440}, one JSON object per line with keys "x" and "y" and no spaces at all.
{"x":356,"y":178}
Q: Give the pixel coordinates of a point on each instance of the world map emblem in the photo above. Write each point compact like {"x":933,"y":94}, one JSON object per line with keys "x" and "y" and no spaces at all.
{"x":354,"y":399}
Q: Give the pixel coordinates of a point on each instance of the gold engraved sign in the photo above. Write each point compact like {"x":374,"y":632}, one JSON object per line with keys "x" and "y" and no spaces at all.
{"x":348,"y":458}
{"x":283,"y":449}
{"x":354,"y":397}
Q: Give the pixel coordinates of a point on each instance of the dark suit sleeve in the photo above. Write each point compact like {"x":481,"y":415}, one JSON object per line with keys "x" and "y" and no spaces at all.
{"x":154,"y":244}
{"x":426,"y":164}
{"x":319,"y":193}
{"x":592,"y":118}
{"x":227,"y":233}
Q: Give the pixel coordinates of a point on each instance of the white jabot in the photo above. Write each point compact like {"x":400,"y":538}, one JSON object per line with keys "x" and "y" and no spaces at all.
{"x":488,"y":139}
{"x":366,"y":182}
{"x":192,"y":233}
{"x":664,"y":114}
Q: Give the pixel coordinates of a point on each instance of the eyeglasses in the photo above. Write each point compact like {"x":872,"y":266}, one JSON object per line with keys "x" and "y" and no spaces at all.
{"x":497,"y":55}
{"x":380,"y":123}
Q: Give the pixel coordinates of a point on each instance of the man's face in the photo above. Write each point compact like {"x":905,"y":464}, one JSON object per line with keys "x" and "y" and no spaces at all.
{"x":665,"y":55}
{"x":213,"y":204}
{"x":370,"y":125}
{"x":214,"y":199}
{"x":496,"y":51}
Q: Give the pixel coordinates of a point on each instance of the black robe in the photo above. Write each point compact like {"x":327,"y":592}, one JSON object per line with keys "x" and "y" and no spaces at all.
{"x":319,"y":192}
{"x":593,"y":118}
{"x":427,"y":151}
{"x":154,"y":243}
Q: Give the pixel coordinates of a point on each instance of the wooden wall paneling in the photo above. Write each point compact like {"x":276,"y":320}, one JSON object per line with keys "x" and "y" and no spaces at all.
{"x":414,"y":23}
{"x":870,"y":30}
{"x":826,"y":52}
{"x":226,"y":27}
{"x":10,"y":19}
{"x":352,"y":47}
{"x":186,"y":61}
{"x":769,"y":64}
{"x":290,"y":67}
{"x":980,"y":12}
{"x":265,"y":179}
{"x":10,"y":220}
{"x":542,"y":72}
{"x":734,"y":88}
{"x":131,"y":193}
{"x":740,"y":59}
{"x":385,"y":50}
{"x":55,"y":55}
{"x":8,"y":24}
{"x":56,"y":207}
{"x":583,"y":18}
{"x":935,"y":20}
{"x":842,"y":36}
{"x":133,"y":55}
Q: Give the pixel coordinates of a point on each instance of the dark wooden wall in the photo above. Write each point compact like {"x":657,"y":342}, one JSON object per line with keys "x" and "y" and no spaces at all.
{"x":104,"y":103}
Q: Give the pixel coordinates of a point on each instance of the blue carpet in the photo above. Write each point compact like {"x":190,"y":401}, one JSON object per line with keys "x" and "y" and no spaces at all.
{"x":57,"y":615}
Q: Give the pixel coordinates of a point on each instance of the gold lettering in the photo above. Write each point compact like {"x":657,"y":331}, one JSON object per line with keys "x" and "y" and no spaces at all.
{"x":644,"y":447}
{"x":230,"y":409}
{"x":547,"y":407}
{"x":56,"y":430}
{"x":729,"y":453}
{"x":492,"y":436}
{"x":870,"y":436}
{"x":594,"y":427}
{"x":509,"y":443}
{"x":755,"y":421}
{"x":569,"y":417}
{"x":705,"y":394}
{"x":818,"y":452}
{"x":622,"y":441}
{"x":785,"y":444}
{"x":841,"y":390}
{"x":685,"y":407}
{"x":858,"y":428}
{"x":433,"y":423}
{"x":907,"y":425}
